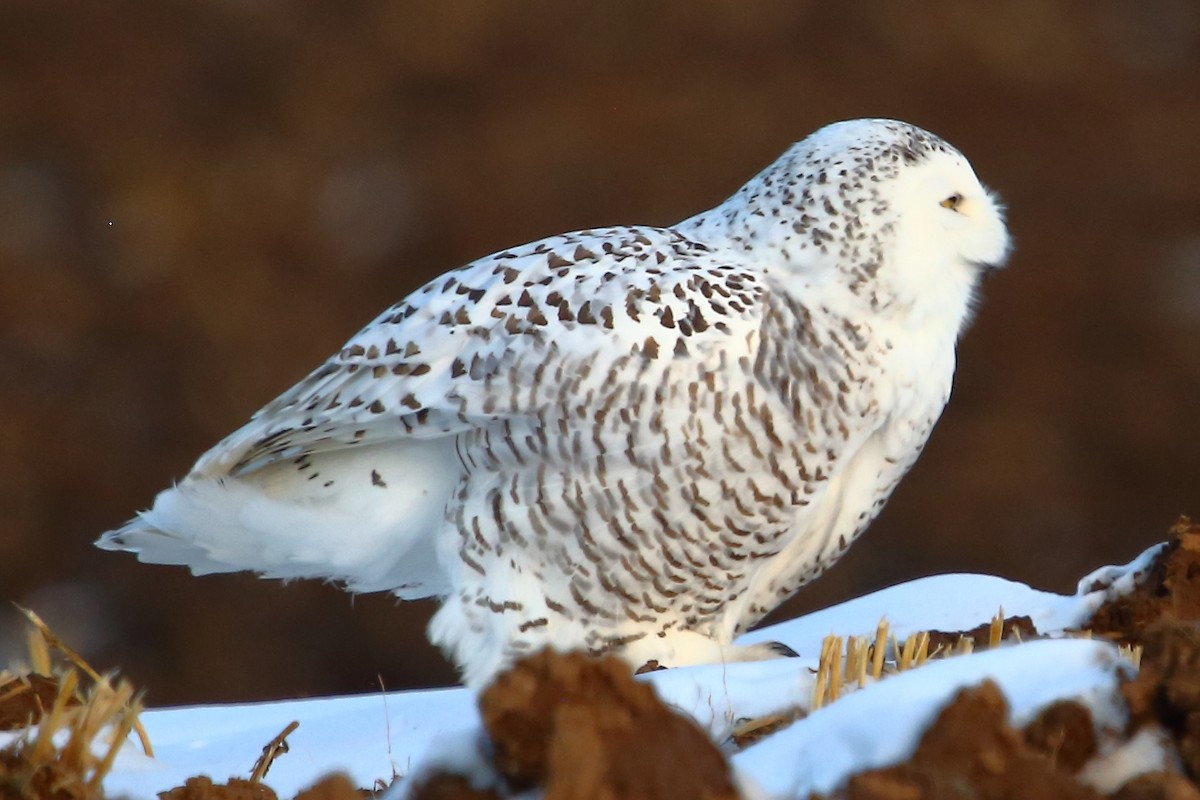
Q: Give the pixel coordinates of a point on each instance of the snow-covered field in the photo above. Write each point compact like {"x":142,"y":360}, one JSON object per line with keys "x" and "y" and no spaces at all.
{"x":374,"y":737}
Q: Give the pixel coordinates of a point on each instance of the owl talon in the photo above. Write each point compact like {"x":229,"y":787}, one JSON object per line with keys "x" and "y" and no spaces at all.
{"x":780,"y":649}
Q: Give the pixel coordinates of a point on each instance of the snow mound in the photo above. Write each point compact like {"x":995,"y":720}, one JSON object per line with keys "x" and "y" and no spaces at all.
{"x":373,"y":738}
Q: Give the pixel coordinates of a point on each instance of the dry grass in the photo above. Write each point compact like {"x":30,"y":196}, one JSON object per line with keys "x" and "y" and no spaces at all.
{"x":853,"y":659}
{"x":67,"y":747}
{"x":848,"y":663}
{"x":271,"y":751}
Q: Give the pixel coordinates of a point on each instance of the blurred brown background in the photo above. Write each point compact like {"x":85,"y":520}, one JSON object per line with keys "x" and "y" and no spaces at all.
{"x":201,"y":201}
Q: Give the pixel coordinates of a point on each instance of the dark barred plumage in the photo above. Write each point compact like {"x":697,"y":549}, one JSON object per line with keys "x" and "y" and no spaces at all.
{"x":634,"y":440}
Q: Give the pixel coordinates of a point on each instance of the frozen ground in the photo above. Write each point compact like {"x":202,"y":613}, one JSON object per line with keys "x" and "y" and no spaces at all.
{"x":373,"y":737}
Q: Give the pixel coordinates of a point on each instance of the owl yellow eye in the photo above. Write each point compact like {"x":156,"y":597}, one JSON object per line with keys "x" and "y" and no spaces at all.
{"x":952,"y":202}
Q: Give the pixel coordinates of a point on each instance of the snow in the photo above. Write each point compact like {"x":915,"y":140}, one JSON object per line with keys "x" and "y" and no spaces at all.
{"x":373,"y":737}
{"x":367,"y":736}
{"x":881,"y":725}
{"x":955,"y":603}
{"x":1148,"y":750}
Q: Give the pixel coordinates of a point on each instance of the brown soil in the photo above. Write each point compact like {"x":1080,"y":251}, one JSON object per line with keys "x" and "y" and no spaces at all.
{"x":203,"y":788}
{"x":444,"y":786}
{"x":1167,"y":688}
{"x":334,"y":787}
{"x":579,"y":727}
{"x":971,"y":751}
{"x":1168,"y":590}
{"x":1063,"y":733}
{"x":20,"y":780}
{"x":1021,"y":628}
{"x":24,"y":699}
{"x":1158,"y":786}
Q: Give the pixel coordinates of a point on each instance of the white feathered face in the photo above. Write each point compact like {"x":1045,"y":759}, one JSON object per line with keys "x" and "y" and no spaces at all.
{"x":948,"y":230}
{"x":891,"y":210}
{"x":943,"y":204}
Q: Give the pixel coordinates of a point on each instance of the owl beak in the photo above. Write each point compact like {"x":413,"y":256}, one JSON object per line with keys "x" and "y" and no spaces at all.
{"x":992,"y":266}
{"x":989,"y":268}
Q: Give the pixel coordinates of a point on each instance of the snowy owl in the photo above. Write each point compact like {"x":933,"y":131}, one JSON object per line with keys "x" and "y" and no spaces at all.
{"x":630,"y":440}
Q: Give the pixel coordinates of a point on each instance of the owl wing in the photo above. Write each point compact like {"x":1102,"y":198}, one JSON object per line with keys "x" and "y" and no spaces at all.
{"x":472,"y":347}
{"x":349,"y":475}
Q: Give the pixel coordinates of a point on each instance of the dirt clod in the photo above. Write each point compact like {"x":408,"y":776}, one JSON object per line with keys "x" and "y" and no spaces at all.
{"x":202,"y":787}
{"x":21,"y":780}
{"x":1167,"y":689}
{"x":333,"y":787}
{"x":1063,"y":732}
{"x":1158,"y":786}
{"x":1013,"y":627}
{"x":24,"y":699}
{"x":580,"y":727}
{"x":972,"y":751}
{"x":444,"y":786}
{"x":1170,"y":589}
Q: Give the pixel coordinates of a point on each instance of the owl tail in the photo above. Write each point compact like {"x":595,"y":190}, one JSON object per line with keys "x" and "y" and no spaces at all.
{"x":367,"y":517}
